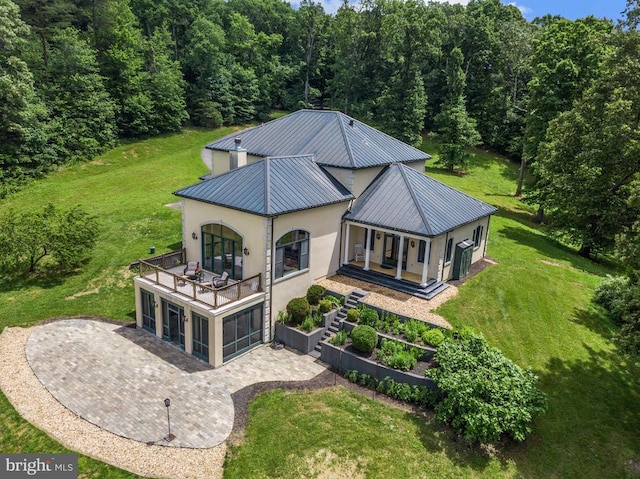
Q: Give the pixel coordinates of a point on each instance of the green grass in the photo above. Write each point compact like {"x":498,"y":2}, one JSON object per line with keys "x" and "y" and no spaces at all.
{"x":534,"y":304}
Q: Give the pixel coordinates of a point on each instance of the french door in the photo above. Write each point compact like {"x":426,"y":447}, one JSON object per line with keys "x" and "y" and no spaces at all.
{"x":173,"y":323}
{"x":391,"y":248}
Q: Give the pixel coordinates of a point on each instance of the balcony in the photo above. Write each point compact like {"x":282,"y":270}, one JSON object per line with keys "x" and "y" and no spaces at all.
{"x":167,"y":271}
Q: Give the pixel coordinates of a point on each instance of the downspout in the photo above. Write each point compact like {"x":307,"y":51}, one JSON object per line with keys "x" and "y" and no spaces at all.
{"x":486,"y":238}
{"x":270,"y":283}
{"x":444,"y":256}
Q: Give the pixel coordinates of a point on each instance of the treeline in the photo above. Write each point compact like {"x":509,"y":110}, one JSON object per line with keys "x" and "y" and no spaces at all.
{"x":75,"y":76}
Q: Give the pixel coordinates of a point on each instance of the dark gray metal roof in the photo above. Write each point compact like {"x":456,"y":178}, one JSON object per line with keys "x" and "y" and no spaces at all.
{"x":271,"y":187}
{"x":334,"y":138}
{"x":403,"y":199}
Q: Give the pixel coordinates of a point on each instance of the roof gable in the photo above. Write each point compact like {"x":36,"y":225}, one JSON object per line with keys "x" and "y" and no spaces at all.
{"x":334,"y":139}
{"x":271,"y":187}
{"x":403,"y":199}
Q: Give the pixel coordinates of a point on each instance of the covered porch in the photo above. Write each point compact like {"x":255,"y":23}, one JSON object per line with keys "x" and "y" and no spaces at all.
{"x":400,"y":255}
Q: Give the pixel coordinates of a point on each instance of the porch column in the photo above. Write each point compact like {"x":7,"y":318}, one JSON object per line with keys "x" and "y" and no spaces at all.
{"x":425,"y":265}
{"x":367,"y":251}
{"x":346,"y":245}
{"x":400,"y":255}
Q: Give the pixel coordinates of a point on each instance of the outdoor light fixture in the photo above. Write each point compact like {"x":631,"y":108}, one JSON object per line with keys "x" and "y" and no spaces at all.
{"x":194,"y":235}
{"x":413,"y":244}
{"x":169,"y":437}
{"x":377,"y":235}
{"x":245,"y":251}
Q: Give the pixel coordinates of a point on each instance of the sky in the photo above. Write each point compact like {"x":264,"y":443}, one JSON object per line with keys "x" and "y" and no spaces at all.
{"x":570,"y":9}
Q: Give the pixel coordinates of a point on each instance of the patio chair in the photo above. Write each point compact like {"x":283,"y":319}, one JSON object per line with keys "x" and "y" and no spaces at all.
{"x":359,"y":250}
{"x":190,"y":270}
{"x":221,"y":281}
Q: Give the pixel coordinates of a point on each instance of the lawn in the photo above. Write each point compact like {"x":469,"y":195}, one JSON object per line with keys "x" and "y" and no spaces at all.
{"x":533,"y":304}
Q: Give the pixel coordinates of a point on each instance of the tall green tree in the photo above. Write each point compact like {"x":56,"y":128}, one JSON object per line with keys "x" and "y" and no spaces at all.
{"x":82,"y":112}
{"x":24,"y":149}
{"x":587,"y":166}
{"x":455,"y":129}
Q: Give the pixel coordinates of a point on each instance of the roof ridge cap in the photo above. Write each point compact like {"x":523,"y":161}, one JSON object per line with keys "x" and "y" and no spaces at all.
{"x":346,"y":140}
{"x":402,"y":167}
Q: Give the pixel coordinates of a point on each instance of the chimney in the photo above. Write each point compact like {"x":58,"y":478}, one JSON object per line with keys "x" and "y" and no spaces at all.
{"x":237,"y":156}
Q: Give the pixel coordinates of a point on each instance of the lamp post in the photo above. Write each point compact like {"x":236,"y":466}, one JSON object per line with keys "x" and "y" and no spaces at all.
{"x":169,"y":437}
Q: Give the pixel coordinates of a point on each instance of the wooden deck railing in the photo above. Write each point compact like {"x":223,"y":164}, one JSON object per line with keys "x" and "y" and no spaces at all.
{"x":155,"y":269}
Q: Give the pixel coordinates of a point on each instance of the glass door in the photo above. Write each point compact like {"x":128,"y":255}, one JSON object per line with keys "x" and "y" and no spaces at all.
{"x":390,"y":249}
{"x":173,"y":323}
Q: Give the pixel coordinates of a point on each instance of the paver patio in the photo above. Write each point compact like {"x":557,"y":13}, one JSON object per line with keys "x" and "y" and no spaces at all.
{"x":117,"y":378}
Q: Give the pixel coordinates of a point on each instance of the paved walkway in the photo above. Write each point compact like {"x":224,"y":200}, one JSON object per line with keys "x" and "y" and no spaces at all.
{"x":117,"y":378}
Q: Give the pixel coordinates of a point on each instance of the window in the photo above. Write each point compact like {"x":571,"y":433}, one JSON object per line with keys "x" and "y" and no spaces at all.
{"x":148,"y":311}
{"x":373,"y":239}
{"x":448,"y":251}
{"x":477,"y":236}
{"x":422,"y":251}
{"x":222,"y":250}
{"x":292,"y":253}
{"x":241,"y":331}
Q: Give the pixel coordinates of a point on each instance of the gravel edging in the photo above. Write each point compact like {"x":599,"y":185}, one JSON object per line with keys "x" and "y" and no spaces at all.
{"x":36,"y":405}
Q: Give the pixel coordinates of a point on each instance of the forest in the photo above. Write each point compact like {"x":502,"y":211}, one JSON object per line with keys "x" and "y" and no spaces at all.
{"x":560,"y":97}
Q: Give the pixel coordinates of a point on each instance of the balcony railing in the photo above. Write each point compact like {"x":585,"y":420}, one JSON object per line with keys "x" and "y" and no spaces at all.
{"x":166,"y":270}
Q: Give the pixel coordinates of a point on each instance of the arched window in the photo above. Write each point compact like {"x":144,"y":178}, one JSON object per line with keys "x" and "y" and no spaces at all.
{"x":292,"y":253}
{"x":222,"y":250}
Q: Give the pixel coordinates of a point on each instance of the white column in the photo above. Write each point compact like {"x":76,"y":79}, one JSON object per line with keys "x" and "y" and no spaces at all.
{"x":346,"y":245}
{"x":400,"y":254}
{"x":425,"y":265}
{"x":367,"y":251}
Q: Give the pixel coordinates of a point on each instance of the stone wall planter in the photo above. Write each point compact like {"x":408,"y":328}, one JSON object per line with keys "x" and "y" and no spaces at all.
{"x":297,"y":339}
{"x":343,"y":360}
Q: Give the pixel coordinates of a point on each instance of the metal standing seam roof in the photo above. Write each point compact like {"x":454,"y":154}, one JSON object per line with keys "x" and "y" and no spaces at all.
{"x":271,"y":187}
{"x":334,"y":138}
{"x":403,"y":199}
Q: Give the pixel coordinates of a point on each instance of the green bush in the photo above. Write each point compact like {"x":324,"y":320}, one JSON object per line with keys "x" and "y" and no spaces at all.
{"x":396,"y":355}
{"x":612,"y":294}
{"x":353,"y":315}
{"x":314,"y":293}
{"x":364,"y":338}
{"x":335,"y":301}
{"x":420,"y":395}
{"x":503,"y":400}
{"x":368,"y":317}
{"x":325,"y":306}
{"x":433,"y":337}
{"x":298,"y":309}
{"x":308,"y":324}
{"x":413,"y":329}
{"x":339,"y":339}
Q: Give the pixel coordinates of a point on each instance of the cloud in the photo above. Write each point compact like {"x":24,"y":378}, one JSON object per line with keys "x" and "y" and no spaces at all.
{"x":524,"y":10}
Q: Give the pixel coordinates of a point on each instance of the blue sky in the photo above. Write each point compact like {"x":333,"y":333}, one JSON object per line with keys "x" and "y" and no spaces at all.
{"x":570,"y":9}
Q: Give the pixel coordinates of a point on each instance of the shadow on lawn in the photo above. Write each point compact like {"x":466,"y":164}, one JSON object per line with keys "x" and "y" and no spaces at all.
{"x":594,"y":321}
{"x":592,"y":422}
{"x":45,"y":279}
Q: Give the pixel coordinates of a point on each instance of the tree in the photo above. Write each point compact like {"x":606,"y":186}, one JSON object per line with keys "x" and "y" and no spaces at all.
{"x":587,"y":166}
{"x":482,"y":394}
{"x":65,"y":235}
{"x":24,"y":151}
{"x":82,"y":112}
{"x":455,"y":129}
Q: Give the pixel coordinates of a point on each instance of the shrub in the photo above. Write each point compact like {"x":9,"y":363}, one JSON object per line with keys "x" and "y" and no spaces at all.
{"x":364,"y":338}
{"x":308,"y":324}
{"x":298,"y":309}
{"x":396,"y":355}
{"x":434,"y":337}
{"x":339,"y":339}
{"x":368,"y":317}
{"x":484,"y":407}
{"x":413,"y":329}
{"x":335,"y":301}
{"x":353,"y":315}
{"x":314,"y":293}
{"x":611,"y":294}
{"x":325,"y":306}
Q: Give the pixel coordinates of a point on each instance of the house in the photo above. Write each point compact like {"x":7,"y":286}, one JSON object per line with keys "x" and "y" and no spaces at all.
{"x":293,"y":201}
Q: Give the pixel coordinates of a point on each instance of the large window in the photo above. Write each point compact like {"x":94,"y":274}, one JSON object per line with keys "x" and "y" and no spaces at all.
{"x":148,"y":311}
{"x":448,"y":251}
{"x":241,"y":331}
{"x":477,"y":236}
{"x":200,"y":336}
{"x":373,"y":239}
{"x":292,"y":253}
{"x":222,"y":250}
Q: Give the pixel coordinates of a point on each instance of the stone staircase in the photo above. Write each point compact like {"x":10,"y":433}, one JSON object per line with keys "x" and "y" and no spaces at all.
{"x":351,"y":301}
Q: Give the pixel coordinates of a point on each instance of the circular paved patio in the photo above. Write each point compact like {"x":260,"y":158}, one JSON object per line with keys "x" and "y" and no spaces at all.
{"x":117,"y":378}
